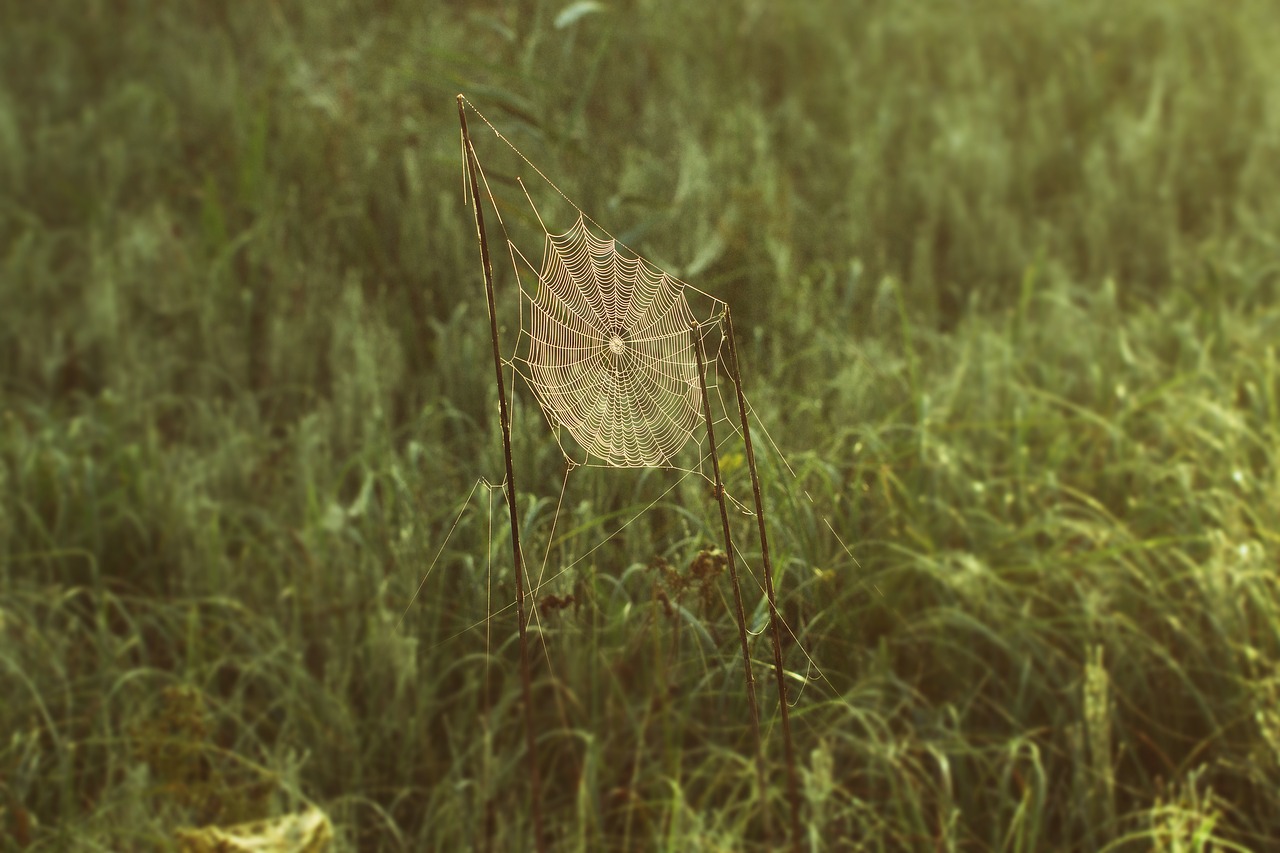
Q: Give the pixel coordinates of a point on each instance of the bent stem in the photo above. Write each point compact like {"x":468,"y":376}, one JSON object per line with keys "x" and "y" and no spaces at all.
{"x":509,"y":487}
{"x":752,"y":705}
{"x":775,"y":622}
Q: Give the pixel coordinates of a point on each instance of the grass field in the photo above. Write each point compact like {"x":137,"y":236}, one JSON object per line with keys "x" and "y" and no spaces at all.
{"x":1007,"y":286}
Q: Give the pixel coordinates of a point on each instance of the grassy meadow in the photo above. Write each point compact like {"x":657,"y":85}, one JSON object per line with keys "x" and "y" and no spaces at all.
{"x":1006,"y":280}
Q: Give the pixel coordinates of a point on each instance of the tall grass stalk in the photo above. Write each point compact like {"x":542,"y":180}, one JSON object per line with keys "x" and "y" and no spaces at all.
{"x":753,"y":707}
{"x":775,"y":621}
{"x":509,"y":486}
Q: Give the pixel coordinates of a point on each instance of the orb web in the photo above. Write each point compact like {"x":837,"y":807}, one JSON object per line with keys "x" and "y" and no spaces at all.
{"x":610,"y":354}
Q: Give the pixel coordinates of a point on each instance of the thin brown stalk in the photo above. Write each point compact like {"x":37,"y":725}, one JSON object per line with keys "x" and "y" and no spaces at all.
{"x":775,"y":622}
{"x":509,"y":486}
{"x":752,"y":704}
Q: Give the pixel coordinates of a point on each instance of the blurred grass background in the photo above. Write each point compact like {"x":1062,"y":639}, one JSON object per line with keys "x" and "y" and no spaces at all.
{"x":1006,"y":277}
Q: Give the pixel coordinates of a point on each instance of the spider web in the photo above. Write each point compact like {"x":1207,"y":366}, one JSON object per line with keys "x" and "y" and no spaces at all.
{"x":607,"y":346}
{"x":606,"y":339}
{"x":608,"y":350}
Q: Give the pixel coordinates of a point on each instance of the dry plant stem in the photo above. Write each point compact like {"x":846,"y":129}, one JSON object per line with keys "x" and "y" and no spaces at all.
{"x":775,"y":622}
{"x":753,"y":706}
{"x":509,"y":487}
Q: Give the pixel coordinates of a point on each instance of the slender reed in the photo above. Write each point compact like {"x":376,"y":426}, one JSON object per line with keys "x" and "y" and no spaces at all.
{"x":752,"y":705}
{"x":775,"y":622}
{"x":509,"y":486}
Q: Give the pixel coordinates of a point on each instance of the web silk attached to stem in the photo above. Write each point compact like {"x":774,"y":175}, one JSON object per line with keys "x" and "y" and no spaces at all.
{"x":618,"y":359}
{"x":606,"y":341}
{"x":610,"y":352}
